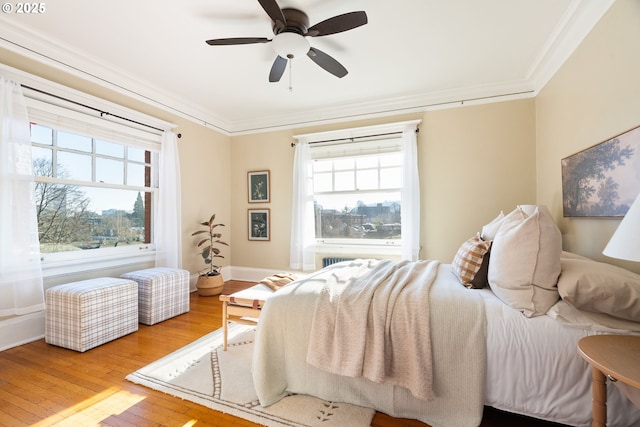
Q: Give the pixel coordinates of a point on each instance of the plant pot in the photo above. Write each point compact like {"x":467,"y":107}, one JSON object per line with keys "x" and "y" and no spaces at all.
{"x":210,"y":285}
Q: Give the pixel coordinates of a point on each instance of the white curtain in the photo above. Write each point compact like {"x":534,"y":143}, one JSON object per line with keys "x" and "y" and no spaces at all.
{"x":168,"y":213}
{"x":302,"y":255}
{"x":410,"y":215}
{"x":21,"y":289}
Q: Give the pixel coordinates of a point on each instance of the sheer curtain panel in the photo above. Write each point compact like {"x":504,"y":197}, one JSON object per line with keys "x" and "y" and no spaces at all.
{"x":410,"y":214}
{"x":302,"y":256}
{"x":168,"y":227}
{"x":21,"y":288}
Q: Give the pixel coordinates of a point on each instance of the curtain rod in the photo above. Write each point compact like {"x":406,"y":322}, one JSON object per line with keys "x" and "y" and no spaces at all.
{"x":102,"y":113}
{"x":353,"y":138}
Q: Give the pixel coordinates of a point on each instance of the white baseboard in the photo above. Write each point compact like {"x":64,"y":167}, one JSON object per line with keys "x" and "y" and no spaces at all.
{"x":244,"y":274}
{"x":249,"y":274}
{"x":20,"y":330}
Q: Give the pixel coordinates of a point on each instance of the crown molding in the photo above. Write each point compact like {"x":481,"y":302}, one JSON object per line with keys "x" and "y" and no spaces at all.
{"x":581,"y":17}
{"x":33,"y":46}
{"x":389,"y":107}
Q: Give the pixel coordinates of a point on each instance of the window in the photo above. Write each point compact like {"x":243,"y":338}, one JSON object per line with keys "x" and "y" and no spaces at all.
{"x":90,"y":193}
{"x":96,"y":181}
{"x":357,"y":192}
{"x":368,"y":187}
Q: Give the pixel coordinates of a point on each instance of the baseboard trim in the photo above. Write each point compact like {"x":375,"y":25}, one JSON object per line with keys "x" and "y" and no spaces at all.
{"x":250,"y":274}
{"x":20,"y":330}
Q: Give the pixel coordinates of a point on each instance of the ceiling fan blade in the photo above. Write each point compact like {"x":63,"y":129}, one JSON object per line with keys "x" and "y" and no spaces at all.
{"x":277,"y":69}
{"x":338,"y":24}
{"x":327,"y":62}
{"x":237,"y":40}
{"x":274,"y":12}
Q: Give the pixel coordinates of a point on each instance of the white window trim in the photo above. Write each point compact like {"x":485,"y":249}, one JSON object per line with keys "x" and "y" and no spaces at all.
{"x":373,"y":250}
{"x":68,"y":263}
{"x":359,"y":132}
{"x":64,"y":92}
{"x":374,"y":247}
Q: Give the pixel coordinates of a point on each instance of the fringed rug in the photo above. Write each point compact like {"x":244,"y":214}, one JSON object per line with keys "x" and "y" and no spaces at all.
{"x":202,"y":373}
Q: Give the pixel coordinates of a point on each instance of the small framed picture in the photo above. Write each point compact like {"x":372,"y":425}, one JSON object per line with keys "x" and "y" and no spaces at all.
{"x":259,"y":224}
{"x":258,"y":187}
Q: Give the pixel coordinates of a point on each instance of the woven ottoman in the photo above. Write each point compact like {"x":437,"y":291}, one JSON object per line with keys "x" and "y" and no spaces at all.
{"x":162,"y":293}
{"x":82,"y":315}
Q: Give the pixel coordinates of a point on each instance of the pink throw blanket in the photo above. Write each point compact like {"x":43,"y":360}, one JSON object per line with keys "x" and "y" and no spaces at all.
{"x":371,"y":320}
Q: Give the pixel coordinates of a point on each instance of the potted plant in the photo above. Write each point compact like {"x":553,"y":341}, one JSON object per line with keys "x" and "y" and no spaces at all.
{"x":210,"y":280}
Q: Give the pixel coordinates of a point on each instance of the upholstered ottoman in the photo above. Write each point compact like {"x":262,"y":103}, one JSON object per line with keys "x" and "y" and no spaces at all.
{"x":162,"y":293}
{"x":82,"y":315}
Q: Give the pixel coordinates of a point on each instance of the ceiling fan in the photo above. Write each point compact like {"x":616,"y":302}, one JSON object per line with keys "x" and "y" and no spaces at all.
{"x":291,"y":29}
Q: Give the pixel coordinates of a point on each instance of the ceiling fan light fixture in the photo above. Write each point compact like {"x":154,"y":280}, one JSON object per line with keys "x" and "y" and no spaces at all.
{"x":290,"y":45}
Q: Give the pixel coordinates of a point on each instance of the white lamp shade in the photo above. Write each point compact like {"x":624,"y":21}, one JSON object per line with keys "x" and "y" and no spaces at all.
{"x":625,"y":242}
{"x":290,"y":45}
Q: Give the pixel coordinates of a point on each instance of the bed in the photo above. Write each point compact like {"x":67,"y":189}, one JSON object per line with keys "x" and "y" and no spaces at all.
{"x":484,"y":350}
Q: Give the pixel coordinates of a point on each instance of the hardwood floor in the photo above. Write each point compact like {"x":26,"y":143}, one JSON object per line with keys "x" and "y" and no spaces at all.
{"x":44,"y":385}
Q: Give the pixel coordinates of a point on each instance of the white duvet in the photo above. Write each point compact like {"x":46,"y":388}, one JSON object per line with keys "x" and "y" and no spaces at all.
{"x":533,"y":366}
{"x":534,"y":369}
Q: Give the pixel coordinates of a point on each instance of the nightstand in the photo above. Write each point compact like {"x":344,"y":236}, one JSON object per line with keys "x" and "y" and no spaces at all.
{"x":616,"y":357}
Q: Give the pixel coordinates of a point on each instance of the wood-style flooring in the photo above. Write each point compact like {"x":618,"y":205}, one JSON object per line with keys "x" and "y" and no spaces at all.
{"x":44,"y":385}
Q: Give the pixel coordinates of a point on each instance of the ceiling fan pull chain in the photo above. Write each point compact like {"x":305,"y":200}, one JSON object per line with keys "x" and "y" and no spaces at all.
{"x":291,"y":75}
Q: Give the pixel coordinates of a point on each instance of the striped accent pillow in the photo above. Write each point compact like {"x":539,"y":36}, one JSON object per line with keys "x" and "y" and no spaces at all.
{"x":471,"y":263}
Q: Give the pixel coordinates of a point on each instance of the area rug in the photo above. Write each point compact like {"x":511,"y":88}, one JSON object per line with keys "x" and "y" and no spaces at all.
{"x":221,"y":380}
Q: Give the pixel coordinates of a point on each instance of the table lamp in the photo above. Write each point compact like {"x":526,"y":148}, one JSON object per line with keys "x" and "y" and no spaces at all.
{"x":625,"y":242}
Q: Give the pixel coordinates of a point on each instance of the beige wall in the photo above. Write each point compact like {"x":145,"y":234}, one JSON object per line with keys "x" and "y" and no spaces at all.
{"x":593,"y":97}
{"x":205,"y":168}
{"x":474,"y":161}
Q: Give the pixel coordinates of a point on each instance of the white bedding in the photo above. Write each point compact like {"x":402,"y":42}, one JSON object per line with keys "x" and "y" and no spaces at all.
{"x":556,"y":383}
{"x":533,"y":367}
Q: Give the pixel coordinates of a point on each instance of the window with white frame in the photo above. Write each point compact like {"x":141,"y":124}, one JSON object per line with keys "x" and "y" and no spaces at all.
{"x":96,"y":182}
{"x":357,"y":191}
{"x":90,"y":193}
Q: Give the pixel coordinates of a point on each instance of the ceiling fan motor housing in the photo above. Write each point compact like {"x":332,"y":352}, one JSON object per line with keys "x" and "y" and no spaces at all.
{"x":297,"y":22}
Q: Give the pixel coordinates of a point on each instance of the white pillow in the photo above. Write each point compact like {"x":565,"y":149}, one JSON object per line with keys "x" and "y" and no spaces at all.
{"x":489,"y":231}
{"x":525,"y":261}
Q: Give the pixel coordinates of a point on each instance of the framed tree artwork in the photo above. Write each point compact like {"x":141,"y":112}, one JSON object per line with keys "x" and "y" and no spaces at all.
{"x":258,"y":186}
{"x":603,"y":180}
{"x":259,"y":224}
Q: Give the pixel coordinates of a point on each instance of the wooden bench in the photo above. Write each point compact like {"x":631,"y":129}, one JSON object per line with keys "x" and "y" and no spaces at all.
{"x":243,"y":307}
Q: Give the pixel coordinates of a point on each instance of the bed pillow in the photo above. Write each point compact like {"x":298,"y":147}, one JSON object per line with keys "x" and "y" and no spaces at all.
{"x":471,"y":263}
{"x":571,"y":255}
{"x":525,"y":261}
{"x":598,"y":287}
{"x":489,"y":231}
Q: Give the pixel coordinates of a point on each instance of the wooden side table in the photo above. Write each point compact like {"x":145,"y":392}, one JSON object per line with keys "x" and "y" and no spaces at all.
{"x":616,"y":357}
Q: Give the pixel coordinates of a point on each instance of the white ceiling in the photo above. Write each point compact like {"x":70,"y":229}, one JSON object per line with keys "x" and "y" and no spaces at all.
{"x":412,"y":55}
